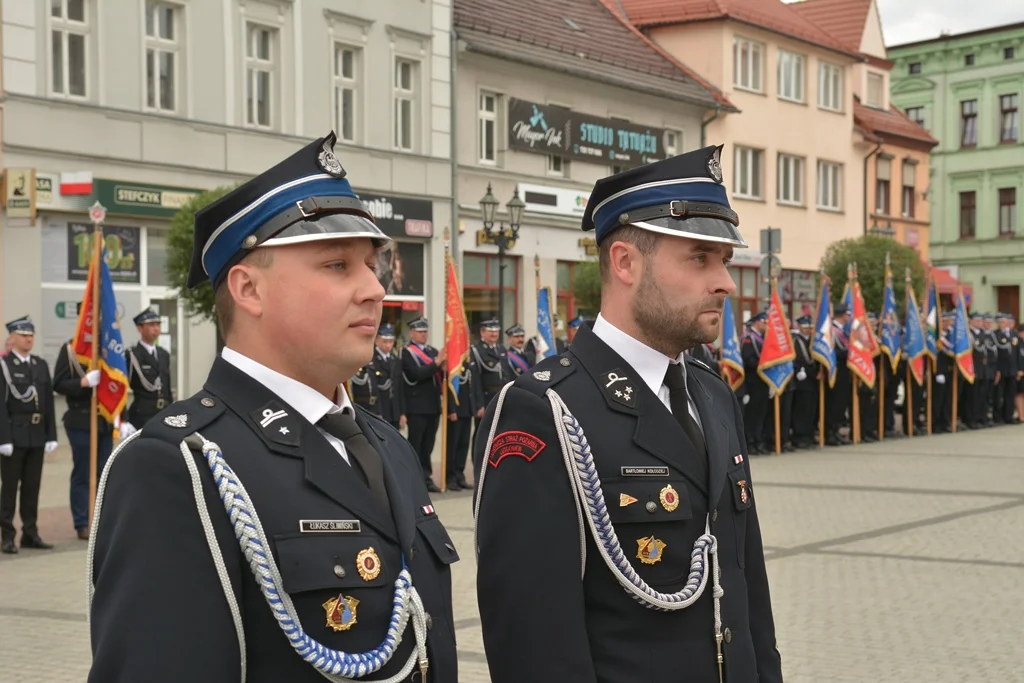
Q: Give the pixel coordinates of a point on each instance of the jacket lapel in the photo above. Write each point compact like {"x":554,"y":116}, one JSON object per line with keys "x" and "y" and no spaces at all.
{"x":292,"y":435}
{"x":715,"y":436}
{"x":399,"y":496}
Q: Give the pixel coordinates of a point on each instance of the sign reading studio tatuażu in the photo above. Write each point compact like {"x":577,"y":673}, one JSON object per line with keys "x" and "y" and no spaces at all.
{"x":546,"y":129}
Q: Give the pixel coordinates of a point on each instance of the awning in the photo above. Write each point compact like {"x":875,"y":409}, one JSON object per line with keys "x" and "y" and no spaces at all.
{"x":945,"y":283}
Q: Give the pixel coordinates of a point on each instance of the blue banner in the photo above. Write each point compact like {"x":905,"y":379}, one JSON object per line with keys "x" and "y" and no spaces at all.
{"x":931,"y":337}
{"x":963,"y":347}
{"x":544,"y":325}
{"x":890,"y":324}
{"x":823,"y":348}
{"x":732,"y":357}
{"x":913,"y":337}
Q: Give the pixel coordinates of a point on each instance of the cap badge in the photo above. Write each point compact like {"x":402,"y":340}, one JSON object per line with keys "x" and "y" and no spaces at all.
{"x":715,"y":165}
{"x":328,"y":162}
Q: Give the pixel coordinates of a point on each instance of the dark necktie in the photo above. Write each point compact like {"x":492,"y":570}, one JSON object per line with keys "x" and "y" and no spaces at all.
{"x":344,"y":427}
{"x":676,"y":383}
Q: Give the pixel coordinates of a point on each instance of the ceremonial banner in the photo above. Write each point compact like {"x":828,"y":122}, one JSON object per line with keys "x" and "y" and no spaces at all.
{"x":890,"y":341}
{"x":963,"y":346}
{"x":732,"y":358}
{"x":456,"y":331}
{"x":863,"y":348}
{"x":823,"y":347}
{"x":544,"y":325}
{"x":777,"y":354}
{"x":913,"y":338}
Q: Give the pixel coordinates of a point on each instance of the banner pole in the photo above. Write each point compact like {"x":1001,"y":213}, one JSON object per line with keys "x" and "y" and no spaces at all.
{"x":97,"y":254}
{"x":855,"y":413}
{"x":881,"y":397}
{"x":908,"y":413}
{"x":444,"y":374}
{"x":821,"y":412}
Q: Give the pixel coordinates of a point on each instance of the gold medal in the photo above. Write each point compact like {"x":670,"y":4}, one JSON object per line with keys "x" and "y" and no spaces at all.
{"x":744,"y":496}
{"x":669,"y":498}
{"x":341,"y":612}
{"x":649,"y":549}
{"x":368,"y":564}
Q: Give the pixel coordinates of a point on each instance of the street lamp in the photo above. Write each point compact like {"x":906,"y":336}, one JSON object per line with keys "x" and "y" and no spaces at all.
{"x":503,"y":237}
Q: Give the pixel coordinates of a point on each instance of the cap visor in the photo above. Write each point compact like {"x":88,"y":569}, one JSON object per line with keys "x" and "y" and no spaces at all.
{"x":329,"y":226}
{"x":697,"y":228}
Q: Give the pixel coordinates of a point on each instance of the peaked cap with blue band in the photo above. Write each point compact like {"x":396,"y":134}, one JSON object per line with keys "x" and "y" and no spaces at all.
{"x":516,"y":330}
{"x":386,"y":331}
{"x":492,"y":325}
{"x":304,"y":198}
{"x":22,"y":325}
{"x":147,"y":316}
{"x":681,"y":195}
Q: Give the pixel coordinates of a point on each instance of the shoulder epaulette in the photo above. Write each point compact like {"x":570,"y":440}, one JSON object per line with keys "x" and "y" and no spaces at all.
{"x":547,"y":373}
{"x":183,"y":418}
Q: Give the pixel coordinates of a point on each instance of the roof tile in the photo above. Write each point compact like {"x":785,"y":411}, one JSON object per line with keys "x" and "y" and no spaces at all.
{"x":888,"y":123}
{"x":844,"y":20}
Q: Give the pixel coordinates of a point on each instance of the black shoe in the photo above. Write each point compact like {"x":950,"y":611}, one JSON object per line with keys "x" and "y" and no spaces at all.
{"x":432,"y":487}
{"x":463,"y":484}
{"x":452,"y":485}
{"x":8,"y":547}
{"x":786,"y":448}
{"x":35,"y":542}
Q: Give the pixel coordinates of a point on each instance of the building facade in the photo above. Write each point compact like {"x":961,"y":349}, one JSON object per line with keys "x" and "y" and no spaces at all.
{"x":795,"y":160}
{"x":966,"y":89}
{"x":545,"y":110}
{"x":141,"y":104}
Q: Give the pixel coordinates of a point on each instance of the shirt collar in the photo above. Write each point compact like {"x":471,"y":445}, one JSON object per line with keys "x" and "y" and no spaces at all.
{"x":149,"y":347}
{"x":23,"y":359}
{"x":309,"y":402}
{"x":651,"y":365}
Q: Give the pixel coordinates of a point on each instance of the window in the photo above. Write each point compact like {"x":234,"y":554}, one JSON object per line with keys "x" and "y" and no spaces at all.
{"x":883,"y":179}
{"x":68,"y":47}
{"x":791,"y":180}
{"x":673,"y":143}
{"x":968,"y":60}
{"x":1007,"y":211}
{"x":346,"y":91}
{"x":405,"y":98}
{"x":791,"y":76}
{"x":480,"y":288}
{"x":969,"y":123}
{"x":830,"y":180}
{"x":488,"y":115}
{"x":748,"y":170}
{"x":259,"y":69}
{"x":876,"y":90}
{"x":1009,"y":120}
{"x":916,"y":114}
{"x":566,"y":305}
{"x":161,"y":56}
{"x":914,"y":68}
{"x":1008,"y":53}
{"x":746,"y":57}
{"x":908,"y":173}
{"x":967,"y":215}
{"x":830,"y":87}
{"x":557,"y":165}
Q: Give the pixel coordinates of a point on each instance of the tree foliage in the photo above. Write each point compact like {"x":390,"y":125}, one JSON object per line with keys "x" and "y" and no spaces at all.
{"x":586,"y":286}
{"x":198,"y":301}
{"x":868,"y":252}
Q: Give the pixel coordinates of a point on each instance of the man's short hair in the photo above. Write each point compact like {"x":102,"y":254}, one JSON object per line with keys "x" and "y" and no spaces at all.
{"x":224,"y":303}
{"x":644,"y":240}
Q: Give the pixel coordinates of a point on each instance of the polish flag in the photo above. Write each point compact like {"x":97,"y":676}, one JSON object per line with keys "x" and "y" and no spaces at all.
{"x":77,"y":183}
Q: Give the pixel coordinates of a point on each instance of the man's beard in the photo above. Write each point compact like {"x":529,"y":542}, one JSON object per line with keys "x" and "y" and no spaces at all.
{"x":671,"y":327}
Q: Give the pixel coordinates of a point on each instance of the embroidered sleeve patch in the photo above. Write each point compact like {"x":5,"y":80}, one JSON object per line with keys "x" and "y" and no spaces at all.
{"x":520,"y":444}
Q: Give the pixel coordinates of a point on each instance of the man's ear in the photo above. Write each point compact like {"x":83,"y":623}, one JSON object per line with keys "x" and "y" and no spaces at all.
{"x":245,"y":284}
{"x":625,"y":263}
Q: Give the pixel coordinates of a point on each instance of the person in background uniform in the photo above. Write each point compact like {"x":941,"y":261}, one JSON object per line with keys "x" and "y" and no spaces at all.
{"x":942,"y":378}
{"x":574,"y":326}
{"x":868,"y":396}
{"x":660,"y":438}
{"x":518,"y":357}
{"x":71,"y":380}
{"x":804,"y":385}
{"x":1020,"y":372}
{"x":389,"y":370}
{"x":490,"y":369}
{"x":149,"y":371}
{"x":343,"y":513}
{"x":365,"y":388}
{"x":423,"y":376}
{"x":462,"y":407}
{"x":1006,"y":369}
{"x":837,"y":397}
{"x":756,"y":410}
{"x":975,"y":404}
{"x":28,"y":430}
{"x":991,"y":371}
{"x":705,"y":353}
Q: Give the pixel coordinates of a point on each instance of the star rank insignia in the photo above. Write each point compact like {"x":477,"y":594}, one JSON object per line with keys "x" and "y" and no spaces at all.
{"x":276,"y":424}
{"x":619,"y":388}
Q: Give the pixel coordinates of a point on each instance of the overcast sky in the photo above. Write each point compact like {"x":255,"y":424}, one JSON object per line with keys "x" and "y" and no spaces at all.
{"x":905,"y":21}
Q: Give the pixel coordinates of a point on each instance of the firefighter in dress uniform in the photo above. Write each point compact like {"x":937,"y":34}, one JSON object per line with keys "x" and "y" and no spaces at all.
{"x":388,"y":366}
{"x":611,"y":472}
{"x":805,"y":385}
{"x":422,"y":380}
{"x":518,"y":357}
{"x":149,"y":372}
{"x":266,"y":529}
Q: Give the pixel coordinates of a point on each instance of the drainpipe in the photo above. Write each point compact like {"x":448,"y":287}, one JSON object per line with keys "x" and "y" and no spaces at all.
{"x":867,"y":207}
{"x":454,"y":145}
{"x":704,"y":125}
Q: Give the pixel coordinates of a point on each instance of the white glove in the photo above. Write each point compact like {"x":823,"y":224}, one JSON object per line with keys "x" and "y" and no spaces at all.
{"x":746,"y":399}
{"x":92,"y":377}
{"x":7,"y":449}
{"x":940,"y":379}
{"x":126,"y":429}
{"x":771,"y":393}
{"x":801,"y":375}
{"x":50,"y":446}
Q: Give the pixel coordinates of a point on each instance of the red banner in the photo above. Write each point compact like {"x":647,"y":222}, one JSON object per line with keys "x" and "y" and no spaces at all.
{"x":863,"y":346}
{"x":456,"y":330}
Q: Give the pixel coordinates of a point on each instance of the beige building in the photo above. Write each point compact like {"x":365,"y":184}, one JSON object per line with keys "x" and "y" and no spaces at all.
{"x":546,"y":107}
{"x":795,"y":161}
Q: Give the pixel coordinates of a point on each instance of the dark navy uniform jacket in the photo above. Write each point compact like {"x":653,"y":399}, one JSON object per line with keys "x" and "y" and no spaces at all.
{"x":27,"y":424}
{"x":542,"y":622}
{"x":148,"y":403}
{"x":159,"y":613}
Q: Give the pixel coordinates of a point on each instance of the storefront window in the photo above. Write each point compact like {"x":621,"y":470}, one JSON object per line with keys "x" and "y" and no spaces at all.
{"x":156,"y":256}
{"x":480,"y":290}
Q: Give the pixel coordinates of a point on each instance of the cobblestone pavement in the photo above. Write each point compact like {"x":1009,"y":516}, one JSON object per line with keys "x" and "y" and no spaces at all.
{"x":888,"y":562}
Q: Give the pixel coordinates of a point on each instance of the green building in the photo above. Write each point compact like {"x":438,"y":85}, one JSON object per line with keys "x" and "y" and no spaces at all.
{"x":967,"y":89}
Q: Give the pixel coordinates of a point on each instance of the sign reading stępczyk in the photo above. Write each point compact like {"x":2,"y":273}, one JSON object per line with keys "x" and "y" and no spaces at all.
{"x":546,"y":129}
{"x":121,"y":243}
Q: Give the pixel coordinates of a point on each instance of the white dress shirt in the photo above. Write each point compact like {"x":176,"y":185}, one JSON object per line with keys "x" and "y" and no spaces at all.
{"x":148,"y":347}
{"x":23,"y":359}
{"x":651,"y":365}
{"x":309,"y":402}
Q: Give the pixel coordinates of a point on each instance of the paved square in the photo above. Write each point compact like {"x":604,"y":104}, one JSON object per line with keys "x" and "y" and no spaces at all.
{"x":888,"y":562}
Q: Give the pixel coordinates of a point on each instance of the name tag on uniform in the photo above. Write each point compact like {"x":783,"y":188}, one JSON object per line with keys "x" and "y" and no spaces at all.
{"x":320,"y":526}
{"x":644,"y":471}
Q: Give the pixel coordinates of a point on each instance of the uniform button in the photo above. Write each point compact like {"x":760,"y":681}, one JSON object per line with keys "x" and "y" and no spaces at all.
{"x":207,"y":402}
{"x":714,"y":515}
{"x":564,"y":362}
{"x":339,"y":571}
{"x":651,"y":506}
{"x":430,"y":621}
{"x":727,"y":635}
